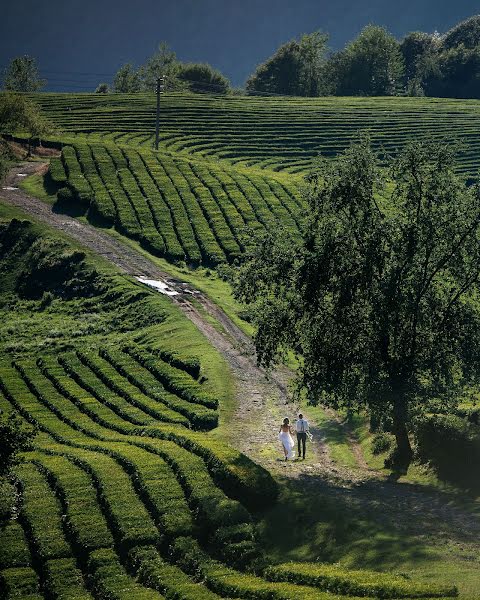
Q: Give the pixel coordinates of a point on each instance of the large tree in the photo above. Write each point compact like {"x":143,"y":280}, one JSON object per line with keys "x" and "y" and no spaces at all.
{"x":452,"y":73}
{"x":22,"y":75}
{"x":371,"y":65}
{"x":295,"y":69}
{"x":378,"y":294}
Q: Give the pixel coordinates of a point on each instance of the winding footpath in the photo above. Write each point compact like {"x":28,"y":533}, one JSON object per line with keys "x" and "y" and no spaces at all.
{"x":262,"y":401}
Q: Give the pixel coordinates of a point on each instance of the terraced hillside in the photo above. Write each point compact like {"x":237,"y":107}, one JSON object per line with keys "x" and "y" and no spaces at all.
{"x":273,"y":133}
{"x":197,"y":211}
{"x":125,"y":495}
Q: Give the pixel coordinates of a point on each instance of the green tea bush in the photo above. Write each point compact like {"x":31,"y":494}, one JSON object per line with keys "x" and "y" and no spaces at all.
{"x":41,"y":513}
{"x":338,"y":580}
{"x":111,"y":581}
{"x":64,"y":580}
{"x":20,"y":583}
{"x":84,"y":521}
{"x":14,"y":551}
{"x":199,"y":416}
{"x":234,"y":472}
{"x":171,"y":581}
{"x":174,"y":380}
{"x":189,"y":364}
{"x":228,"y":582}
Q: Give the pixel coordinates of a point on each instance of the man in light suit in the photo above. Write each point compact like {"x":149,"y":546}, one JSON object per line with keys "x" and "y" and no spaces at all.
{"x":302,"y":429}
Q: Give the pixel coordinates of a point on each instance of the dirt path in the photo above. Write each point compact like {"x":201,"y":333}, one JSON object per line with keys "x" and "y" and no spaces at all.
{"x":262,"y":402}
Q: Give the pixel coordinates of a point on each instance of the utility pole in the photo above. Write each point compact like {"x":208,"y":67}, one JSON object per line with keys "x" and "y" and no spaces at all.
{"x":159,"y":90}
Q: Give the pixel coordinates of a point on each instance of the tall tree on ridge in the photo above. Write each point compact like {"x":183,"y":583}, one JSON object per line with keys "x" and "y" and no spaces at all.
{"x":163,"y":63}
{"x":21,"y":75}
{"x":295,"y":69}
{"x":371,"y":65}
{"x":414,"y":47}
{"x":127,"y":80}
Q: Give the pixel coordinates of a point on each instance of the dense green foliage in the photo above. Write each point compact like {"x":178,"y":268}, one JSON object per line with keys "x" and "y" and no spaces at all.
{"x":377,"y":295}
{"x":102,"y":88}
{"x":202,"y":78}
{"x":14,"y":437}
{"x":21,"y":75}
{"x":376,"y":64}
{"x":126,"y":80}
{"x":443,"y":65}
{"x":371,"y":65}
{"x":296,"y":69}
{"x":451,"y":447}
{"x":19,"y":114}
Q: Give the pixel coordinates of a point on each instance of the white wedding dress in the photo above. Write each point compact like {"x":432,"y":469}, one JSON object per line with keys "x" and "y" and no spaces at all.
{"x":288,"y":443}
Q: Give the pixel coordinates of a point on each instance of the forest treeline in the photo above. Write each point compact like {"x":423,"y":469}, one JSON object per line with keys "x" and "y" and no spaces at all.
{"x":375,"y":63}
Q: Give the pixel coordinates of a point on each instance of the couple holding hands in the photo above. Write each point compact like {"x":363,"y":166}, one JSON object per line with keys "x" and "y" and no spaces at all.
{"x":285,"y":436}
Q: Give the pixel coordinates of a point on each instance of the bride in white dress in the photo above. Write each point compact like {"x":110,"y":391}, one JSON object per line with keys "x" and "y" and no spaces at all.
{"x":285,"y":436}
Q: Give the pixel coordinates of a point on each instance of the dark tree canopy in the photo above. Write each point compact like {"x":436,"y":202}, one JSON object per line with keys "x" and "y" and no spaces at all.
{"x":177,"y":76}
{"x":102,"y":88}
{"x":371,"y":65}
{"x":453,"y":73}
{"x":296,"y":69}
{"x":414,"y":47}
{"x":127,"y":80}
{"x":163,"y":63}
{"x":378,"y":294}
{"x":466,"y":33}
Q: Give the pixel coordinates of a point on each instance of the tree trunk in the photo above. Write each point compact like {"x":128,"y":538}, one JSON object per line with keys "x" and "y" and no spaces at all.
{"x":403,"y":454}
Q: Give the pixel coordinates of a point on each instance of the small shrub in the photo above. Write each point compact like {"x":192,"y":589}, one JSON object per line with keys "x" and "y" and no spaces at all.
{"x":381,"y":442}
{"x":46,"y":300}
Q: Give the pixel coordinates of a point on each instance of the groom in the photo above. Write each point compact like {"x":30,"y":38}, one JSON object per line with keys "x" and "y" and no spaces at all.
{"x":302,"y":429}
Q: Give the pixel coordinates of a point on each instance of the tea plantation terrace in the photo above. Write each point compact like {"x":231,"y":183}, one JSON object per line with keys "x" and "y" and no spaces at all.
{"x":197,"y":211}
{"x":114,"y":500}
{"x":278,"y":133}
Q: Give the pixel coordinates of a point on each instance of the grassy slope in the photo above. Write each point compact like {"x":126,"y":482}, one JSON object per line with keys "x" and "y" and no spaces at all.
{"x":27,"y":330}
{"x":335,"y":532}
{"x":351,"y":540}
{"x":205,"y":280}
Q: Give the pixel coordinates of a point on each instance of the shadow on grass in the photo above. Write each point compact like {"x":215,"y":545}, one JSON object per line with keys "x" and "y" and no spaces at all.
{"x":378,"y":525}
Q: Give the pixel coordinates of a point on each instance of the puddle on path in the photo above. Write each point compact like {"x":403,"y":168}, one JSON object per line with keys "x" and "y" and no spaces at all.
{"x":158,"y":285}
